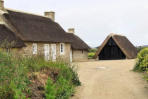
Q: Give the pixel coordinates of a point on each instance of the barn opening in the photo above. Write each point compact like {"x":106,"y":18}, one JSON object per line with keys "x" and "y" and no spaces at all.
{"x":111,"y":51}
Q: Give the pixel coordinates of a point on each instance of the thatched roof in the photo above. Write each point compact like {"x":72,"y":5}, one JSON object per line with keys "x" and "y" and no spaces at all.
{"x":124,"y":44}
{"x":8,"y":38}
{"x":36,"y":28}
{"x":77,"y":43}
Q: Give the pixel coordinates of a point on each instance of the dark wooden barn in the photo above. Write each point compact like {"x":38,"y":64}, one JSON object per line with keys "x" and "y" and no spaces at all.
{"x":116,"y":47}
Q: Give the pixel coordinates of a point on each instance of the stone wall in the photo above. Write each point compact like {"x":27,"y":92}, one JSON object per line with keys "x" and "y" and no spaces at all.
{"x":27,"y":51}
{"x":79,"y":55}
{"x":66,"y":55}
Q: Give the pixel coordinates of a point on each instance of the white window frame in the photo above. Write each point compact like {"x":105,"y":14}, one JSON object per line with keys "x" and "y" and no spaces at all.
{"x":62,"y":48}
{"x":47,"y":52}
{"x":34,"y":48}
{"x":54,"y":52}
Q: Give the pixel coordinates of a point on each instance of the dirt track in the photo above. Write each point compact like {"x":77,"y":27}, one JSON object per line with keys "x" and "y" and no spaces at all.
{"x":110,"y":80}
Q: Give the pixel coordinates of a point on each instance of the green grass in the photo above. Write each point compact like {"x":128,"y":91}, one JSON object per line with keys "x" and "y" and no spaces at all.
{"x":14,"y":80}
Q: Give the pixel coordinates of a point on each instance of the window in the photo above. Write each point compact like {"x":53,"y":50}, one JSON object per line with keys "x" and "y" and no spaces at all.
{"x":82,"y":51}
{"x":62,"y":45}
{"x":34,"y":48}
{"x":46,"y":51}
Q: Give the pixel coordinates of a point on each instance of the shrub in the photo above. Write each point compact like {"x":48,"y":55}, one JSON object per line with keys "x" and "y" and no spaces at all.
{"x":91,"y":55}
{"x":13,"y":77}
{"x":144,"y":63}
{"x":65,"y":88}
{"x":93,"y":50}
{"x":14,"y":80}
{"x":50,"y":90}
{"x":75,"y":78}
{"x":66,"y":81}
{"x":67,"y":71}
{"x":141,"y":64}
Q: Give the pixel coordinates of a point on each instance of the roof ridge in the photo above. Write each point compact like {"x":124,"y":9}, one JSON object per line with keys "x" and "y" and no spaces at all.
{"x":25,"y":12}
{"x":113,"y":34}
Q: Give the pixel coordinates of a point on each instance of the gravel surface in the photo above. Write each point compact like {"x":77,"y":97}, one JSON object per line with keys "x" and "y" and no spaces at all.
{"x":110,"y":80}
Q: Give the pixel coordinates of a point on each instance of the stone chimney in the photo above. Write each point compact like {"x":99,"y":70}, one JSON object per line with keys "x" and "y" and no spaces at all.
{"x":71,"y":30}
{"x":50,"y":15}
{"x":1,"y":4}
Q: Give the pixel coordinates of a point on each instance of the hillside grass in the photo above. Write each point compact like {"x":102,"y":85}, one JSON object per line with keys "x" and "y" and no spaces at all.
{"x":18,"y":77}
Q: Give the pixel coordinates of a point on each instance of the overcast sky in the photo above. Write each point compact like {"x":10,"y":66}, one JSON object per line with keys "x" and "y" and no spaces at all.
{"x":93,"y":20}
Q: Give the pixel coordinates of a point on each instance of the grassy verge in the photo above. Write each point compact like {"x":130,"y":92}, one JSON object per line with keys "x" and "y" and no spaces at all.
{"x":33,"y":77}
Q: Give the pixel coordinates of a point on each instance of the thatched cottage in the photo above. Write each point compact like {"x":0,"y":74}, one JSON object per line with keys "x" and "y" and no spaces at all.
{"x":116,"y":46}
{"x":30,"y":34}
{"x":78,"y":46}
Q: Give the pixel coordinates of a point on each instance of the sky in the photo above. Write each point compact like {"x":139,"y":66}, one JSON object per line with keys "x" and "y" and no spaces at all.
{"x":93,"y":20}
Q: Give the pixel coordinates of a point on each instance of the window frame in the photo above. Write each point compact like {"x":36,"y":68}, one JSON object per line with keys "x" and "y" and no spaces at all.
{"x":62,"y":48}
{"x":34,"y":48}
{"x":82,"y":51}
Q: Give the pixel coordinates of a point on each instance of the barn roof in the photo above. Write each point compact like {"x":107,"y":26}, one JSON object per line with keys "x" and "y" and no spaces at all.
{"x":124,"y":44}
{"x":36,"y":28}
{"x":7,"y":37}
{"x":77,"y":43}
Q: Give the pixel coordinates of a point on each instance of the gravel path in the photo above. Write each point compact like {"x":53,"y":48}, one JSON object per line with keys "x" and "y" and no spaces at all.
{"x":110,"y":80}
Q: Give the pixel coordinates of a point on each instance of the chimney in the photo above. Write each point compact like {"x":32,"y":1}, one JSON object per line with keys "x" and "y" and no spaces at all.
{"x":71,"y":30}
{"x":50,"y":15}
{"x":1,"y":4}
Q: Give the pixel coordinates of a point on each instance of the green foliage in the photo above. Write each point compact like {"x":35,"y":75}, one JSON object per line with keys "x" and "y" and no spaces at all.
{"x":14,"y":81}
{"x":146,"y":76}
{"x":139,"y":48}
{"x":50,"y":90}
{"x":65,"y":88}
{"x":91,"y":53}
{"x":66,"y":81}
{"x":62,"y":89}
{"x":13,"y":76}
{"x":18,"y":92}
{"x":67,"y":71}
{"x":75,"y":79}
{"x":142,"y":59}
{"x":142,"y":62}
{"x":93,"y":50}
{"x":6,"y":92}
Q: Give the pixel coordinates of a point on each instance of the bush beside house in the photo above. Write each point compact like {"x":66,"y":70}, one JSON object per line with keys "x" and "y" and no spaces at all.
{"x":91,"y":53}
{"x":139,"y":48}
{"x":142,"y":62}
{"x":35,"y":78}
